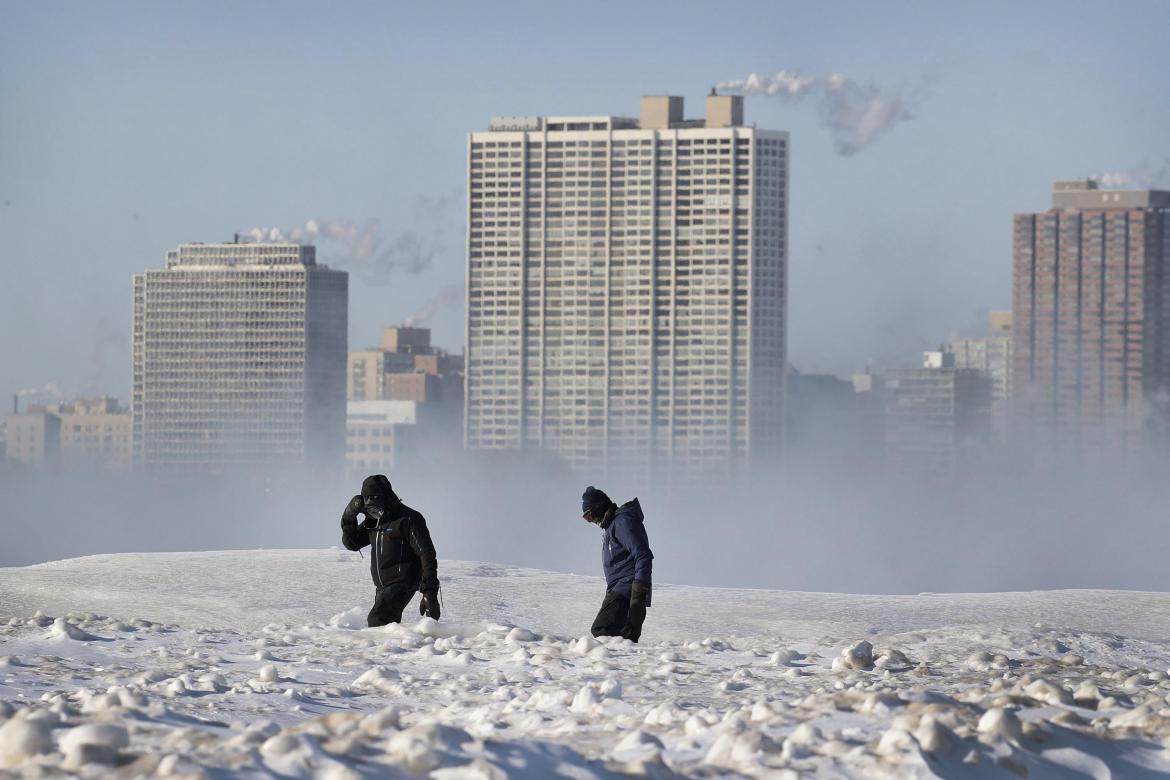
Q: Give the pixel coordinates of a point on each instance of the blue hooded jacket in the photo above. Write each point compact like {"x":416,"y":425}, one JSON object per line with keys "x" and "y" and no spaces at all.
{"x":625,"y":550}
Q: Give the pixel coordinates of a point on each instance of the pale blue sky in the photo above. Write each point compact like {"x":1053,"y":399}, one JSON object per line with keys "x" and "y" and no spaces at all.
{"x":127,"y":128}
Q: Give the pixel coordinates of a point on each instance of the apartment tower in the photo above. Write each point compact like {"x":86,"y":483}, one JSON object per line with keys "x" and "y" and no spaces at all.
{"x":239,"y":359}
{"x":626,"y":285}
{"x":1091,"y":298}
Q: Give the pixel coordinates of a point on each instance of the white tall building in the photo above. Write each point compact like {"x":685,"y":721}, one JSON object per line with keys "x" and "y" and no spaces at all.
{"x":626,"y":288}
{"x":239,"y":359}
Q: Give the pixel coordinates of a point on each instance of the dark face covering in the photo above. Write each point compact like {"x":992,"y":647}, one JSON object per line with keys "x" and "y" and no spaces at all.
{"x":378,"y":496}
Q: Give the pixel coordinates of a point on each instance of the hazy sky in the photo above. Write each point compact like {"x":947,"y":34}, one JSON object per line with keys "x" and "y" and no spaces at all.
{"x":127,"y":128}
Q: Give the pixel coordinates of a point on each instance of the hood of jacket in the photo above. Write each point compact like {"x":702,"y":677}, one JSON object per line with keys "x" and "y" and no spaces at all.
{"x":631,"y":509}
{"x":376,"y":488}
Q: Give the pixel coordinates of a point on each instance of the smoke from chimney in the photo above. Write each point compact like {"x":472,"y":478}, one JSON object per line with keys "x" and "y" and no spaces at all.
{"x":856,"y":114}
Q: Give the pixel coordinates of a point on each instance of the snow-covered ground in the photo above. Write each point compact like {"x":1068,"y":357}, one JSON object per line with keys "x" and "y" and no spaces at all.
{"x":252,"y":663}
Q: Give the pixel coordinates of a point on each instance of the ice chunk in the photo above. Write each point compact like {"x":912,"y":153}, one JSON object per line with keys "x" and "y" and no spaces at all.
{"x":895,"y":740}
{"x":375,"y":677}
{"x":109,"y":735}
{"x":281,"y":745}
{"x":353,"y":619}
{"x":421,"y":747}
{"x":22,"y":738}
{"x":586,"y":700}
{"x":520,"y":635}
{"x":933,"y":736}
{"x":856,"y":656}
{"x":585,"y":644}
{"x":62,"y":629}
{"x":380,"y":721}
{"x":1137,"y":718}
{"x":784,"y":657}
{"x":1000,"y":722}
{"x":1047,"y":692}
{"x":637,"y":746}
{"x":664,"y":715}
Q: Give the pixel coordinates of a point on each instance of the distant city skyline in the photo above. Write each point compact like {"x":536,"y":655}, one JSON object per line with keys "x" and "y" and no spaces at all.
{"x":916,"y":133}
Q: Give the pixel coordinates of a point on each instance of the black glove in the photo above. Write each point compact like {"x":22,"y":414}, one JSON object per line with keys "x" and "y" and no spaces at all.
{"x":429,"y":604}
{"x":636,"y":616}
{"x":354,"y":508}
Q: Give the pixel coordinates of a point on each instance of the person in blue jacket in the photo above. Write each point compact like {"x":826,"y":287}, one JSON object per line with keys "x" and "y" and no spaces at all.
{"x":627,"y":561}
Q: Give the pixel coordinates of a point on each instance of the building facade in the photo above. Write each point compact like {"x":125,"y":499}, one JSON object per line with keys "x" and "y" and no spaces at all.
{"x":405,"y":403}
{"x":33,"y":437}
{"x":384,"y":436}
{"x":626,"y":285}
{"x":1091,"y":301}
{"x":937,"y":414}
{"x":992,"y":353}
{"x":96,"y":433}
{"x":239,"y":359}
{"x":404,"y":367}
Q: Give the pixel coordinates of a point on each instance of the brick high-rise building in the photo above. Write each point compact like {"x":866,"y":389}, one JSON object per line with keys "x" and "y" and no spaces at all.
{"x":239,"y":359}
{"x":626,"y":288}
{"x":1091,"y":302}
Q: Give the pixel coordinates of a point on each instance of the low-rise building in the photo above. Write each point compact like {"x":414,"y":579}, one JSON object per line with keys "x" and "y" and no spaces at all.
{"x":382,"y":436}
{"x":936,"y":414}
{"x":991,"y":353}
{"x":34,"y":438}
{"x":405,"y":403}
{"x":382,"y":373}
{"x":88,"y":433}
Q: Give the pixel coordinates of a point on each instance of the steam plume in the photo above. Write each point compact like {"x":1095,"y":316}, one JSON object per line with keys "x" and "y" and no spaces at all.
{"x":449,"y":295}
{"x":1142,"y":175}
{"x":365,"y":249}
{"x":50,"y":389}
{"x":856,"y":114}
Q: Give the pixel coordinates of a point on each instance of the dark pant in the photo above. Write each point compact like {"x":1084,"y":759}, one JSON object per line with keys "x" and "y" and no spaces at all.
{"x":611,"y":618}
{"x":389,"y":603}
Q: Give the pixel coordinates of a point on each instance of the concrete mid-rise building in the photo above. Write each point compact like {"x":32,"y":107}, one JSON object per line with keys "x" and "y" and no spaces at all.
{"x":405,"y":403}
{"x":33,"y":438}
{"x":626,"y":286}
{"x":383,"y":436}
{"x":239,"y":359}
{"x":935,"y":414}
{"x":96,"y":433}
{"x":84,"y":434}
{"x":1091,"y":318}
{"x":991,"y":353}
{"x":405,"y":367}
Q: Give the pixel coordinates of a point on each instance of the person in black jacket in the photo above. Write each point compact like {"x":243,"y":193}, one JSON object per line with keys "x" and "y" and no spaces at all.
{"x":403,"y":557}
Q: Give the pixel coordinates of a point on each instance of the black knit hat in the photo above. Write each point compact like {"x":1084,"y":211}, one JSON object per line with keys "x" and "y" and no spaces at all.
{"x":594,"y":501}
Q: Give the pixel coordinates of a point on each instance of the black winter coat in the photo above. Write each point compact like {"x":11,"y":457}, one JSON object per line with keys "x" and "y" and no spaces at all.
{"x":403,"y":553}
